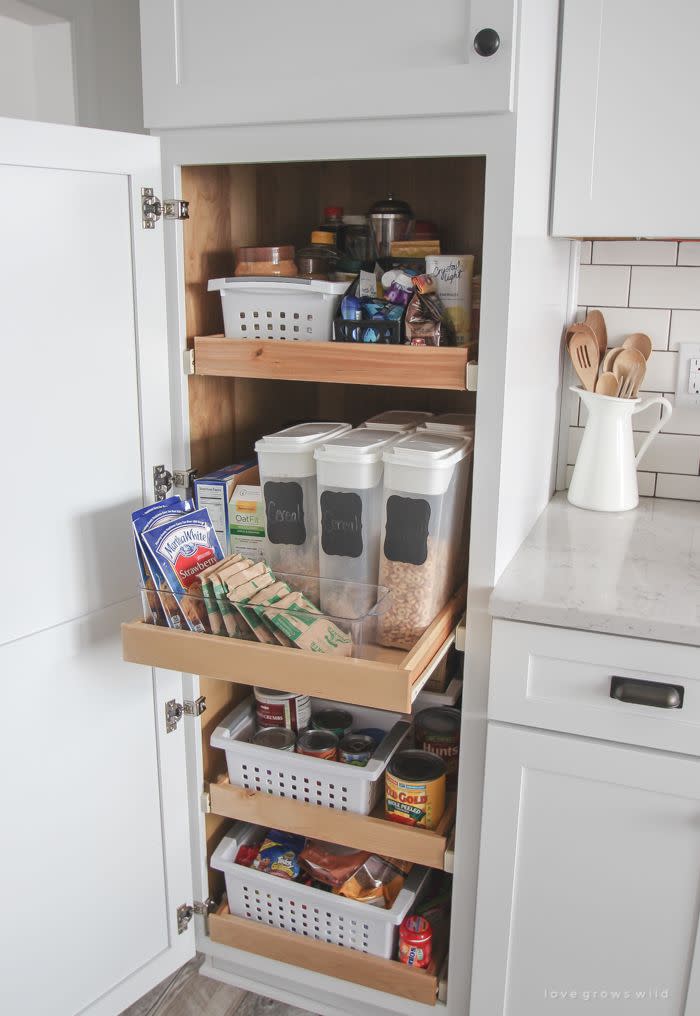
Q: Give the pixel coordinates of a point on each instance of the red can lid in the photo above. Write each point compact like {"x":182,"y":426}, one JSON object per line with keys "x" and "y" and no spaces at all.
{"x":415,"y":930}
{"x":333,"y":212}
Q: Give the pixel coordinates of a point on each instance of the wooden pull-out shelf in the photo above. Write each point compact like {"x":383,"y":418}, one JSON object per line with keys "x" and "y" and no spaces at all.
{"x":343,"y":362}
{"x":333,"y":960}
{"x":364,"y":832}
{"x":390,"y":679}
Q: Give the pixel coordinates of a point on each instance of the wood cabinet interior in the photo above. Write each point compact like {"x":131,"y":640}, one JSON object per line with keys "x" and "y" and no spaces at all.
{"x":234,"y":205}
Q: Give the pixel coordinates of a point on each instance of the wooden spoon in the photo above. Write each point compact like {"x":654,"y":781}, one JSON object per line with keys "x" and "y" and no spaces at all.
{"x":596,"y":321}
{"x":585,"y":355}
{"x":610,"y":357}
{"x":607,"y":384}
{"x":640,"y":341}
{"x":629,"y":368}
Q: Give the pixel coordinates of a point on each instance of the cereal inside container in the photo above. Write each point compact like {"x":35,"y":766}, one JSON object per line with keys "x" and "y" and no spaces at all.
{"x":426,"y":481}
{"x":288,"y":480}
{"x":349,"y":473}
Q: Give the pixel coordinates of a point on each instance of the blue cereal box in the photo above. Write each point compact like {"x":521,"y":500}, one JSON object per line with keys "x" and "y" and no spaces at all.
{"x":215,"y":491}
{"x":181,"y":550}
{"x":142,"y":520}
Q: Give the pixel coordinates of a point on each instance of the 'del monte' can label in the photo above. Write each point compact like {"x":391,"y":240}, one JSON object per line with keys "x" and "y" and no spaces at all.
{"x":415,"y":789}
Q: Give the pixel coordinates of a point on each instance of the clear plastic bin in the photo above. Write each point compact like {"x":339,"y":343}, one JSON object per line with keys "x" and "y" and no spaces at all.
{"x":452,"y":424}
{"x":403,"y":421}
{"x":218,"y":616}
{"x":288,"y":480}
{"x":426,"y":479}
{"x":349,"y":475}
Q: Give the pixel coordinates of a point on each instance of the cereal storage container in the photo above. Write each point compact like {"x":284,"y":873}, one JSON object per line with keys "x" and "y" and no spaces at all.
{"x":454,"y":424}
{"x":426,"y":478}
{"x":288,"y":480}
{"x":403,"y":421}
{"x":349,"y":474}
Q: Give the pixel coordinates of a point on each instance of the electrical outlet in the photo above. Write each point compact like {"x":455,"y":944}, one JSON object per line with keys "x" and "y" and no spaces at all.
{"x":688,"y":378}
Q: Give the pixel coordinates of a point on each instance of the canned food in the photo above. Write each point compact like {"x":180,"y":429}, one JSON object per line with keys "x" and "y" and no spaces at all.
{"x":282,"y":709}
{"x":275,"y":737}
{"x":373,"y":732}
{"x":319,"y":744}
{"x":437,"y":731}
{"x":337,"y":720}
{"x":415,"y":788}
{"x":356,"y":749}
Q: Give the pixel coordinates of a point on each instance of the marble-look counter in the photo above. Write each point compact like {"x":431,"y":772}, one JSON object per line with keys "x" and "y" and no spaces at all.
{"x":633,"y":573}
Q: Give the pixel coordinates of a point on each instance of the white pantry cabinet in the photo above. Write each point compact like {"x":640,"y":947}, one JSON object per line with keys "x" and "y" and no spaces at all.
{"x":212,"y":62}
{"x":589,"y":879}
{"x":628,"y":133}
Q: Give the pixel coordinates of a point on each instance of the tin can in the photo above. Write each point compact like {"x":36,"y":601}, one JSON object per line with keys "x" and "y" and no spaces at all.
{"x":437,"y":731}
{"x":415,"y":788}
{"x":356,"y":749}
{"x":415,"y":941}
{"x":319,"y":744}
{"x":337,"y":720}
{"x":375,"y":733}
{"x":282,"y":709}
{"x":281,"y":738}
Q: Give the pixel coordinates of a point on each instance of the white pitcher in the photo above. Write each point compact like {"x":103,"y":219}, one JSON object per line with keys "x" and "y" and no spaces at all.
{"x":605,"y":474}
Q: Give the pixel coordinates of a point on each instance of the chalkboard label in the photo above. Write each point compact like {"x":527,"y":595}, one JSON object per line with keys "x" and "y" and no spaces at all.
{"x":406,"y":537}
{"x":284,"y":513}
{"x":341,"y":523}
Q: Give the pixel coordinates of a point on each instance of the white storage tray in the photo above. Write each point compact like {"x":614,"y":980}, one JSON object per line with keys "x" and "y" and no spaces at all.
{"x":278,"y":308}
{"x":314,"y":913}
{"x":302,"y":777}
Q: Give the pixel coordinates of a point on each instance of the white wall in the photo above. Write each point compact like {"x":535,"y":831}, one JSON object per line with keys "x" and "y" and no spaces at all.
{"x":72,"y":61}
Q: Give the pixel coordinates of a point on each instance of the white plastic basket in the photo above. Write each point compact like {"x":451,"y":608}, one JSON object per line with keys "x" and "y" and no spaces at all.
{"x":281,"y":903}
{"x":302,"y":777}
{"x":279,"y":308}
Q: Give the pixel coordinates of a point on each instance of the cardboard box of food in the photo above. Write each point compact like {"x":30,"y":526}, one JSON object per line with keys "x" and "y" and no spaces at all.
{"x":215,"y":490}
{"x":247,"y":522}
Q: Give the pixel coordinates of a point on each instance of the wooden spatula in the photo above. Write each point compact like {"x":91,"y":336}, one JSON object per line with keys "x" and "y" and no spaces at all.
{"x":610,"y":357}
{"x":629,"y":368}
{"x":585,"y":354}
{"x":640,"y":341}
{"x":596,"y":321}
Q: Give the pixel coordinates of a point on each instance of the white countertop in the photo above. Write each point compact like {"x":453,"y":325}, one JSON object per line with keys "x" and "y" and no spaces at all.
{"x":633,"y":573}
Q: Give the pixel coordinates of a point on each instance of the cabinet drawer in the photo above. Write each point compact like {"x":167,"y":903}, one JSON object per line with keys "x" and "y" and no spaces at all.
{"x":562,"y":679}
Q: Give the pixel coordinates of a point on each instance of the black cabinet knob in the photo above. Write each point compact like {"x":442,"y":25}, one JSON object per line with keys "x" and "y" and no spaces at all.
{"x":487,"y":41}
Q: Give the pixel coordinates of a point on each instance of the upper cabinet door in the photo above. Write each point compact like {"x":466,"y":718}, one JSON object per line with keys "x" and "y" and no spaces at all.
{"x":213,"y":62}
{"x":628,"y":135}
{"x":95,"y":841}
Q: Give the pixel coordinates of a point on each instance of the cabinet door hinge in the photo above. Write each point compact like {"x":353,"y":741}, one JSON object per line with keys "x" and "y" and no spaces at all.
{"x":164,"y":481}
{"x":174,"y":711}
{"x":186,"y":911}
{"x":152,"y":208}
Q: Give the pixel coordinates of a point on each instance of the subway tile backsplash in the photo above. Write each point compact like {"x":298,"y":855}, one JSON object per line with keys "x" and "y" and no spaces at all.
{"x":650,"y":286}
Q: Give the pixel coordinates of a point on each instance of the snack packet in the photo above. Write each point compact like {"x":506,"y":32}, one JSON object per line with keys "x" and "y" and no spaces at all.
{"x":256,"y":607}
{"x":303,"y":623}
{"x":427,"y":321}
{"x":216,"y":621}
{"x":163,"y":607}
{"x":330,"y":863}
{"x":219,"y":585}
{"x":182,"y":549}
{"x":279,"y":854}
{"x":379,"y":880}
{"x":246,"y":584}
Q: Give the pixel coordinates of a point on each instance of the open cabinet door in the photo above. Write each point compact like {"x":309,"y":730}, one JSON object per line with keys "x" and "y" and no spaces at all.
{"x":95,"y":843}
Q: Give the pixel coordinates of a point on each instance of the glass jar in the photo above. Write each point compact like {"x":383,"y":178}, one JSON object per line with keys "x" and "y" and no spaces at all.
{"x":356,"y":236}
{"x":264,"y":261}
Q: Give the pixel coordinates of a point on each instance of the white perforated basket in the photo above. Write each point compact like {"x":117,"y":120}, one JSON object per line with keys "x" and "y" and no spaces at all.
{"x":279,"y":308}
{"x":302,"y":777}
{"x":281,"y":903}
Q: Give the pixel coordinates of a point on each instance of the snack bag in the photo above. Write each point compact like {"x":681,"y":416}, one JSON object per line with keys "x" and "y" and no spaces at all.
{"x":279,"y":854}
{"x":427,"y":321}
{"x":247,"y":584}
{"x":331,"y":863}
{"x":297,"y":618}
{"x":163,"y":607}
{"x":379,"y":880}
{"x":219,"y":586}
{"x":216,"y":621}
{"x":182,"y":550}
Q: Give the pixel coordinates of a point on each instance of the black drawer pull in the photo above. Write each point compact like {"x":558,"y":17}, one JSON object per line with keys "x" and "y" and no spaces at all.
{"x":647,"y":693}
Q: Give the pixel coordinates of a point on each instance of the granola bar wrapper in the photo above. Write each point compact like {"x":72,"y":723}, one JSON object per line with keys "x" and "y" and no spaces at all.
{"x":163,"y":607}
{"x":253,"y":581}
{"x":223,"y":576}
{"x":216,"y":621}
{"x":182,"y":550}
{"x":266,"y":598}
{"x":302,"y":623}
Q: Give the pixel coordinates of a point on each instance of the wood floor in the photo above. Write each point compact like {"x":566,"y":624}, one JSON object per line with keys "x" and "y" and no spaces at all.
{"x":187,"y":993}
